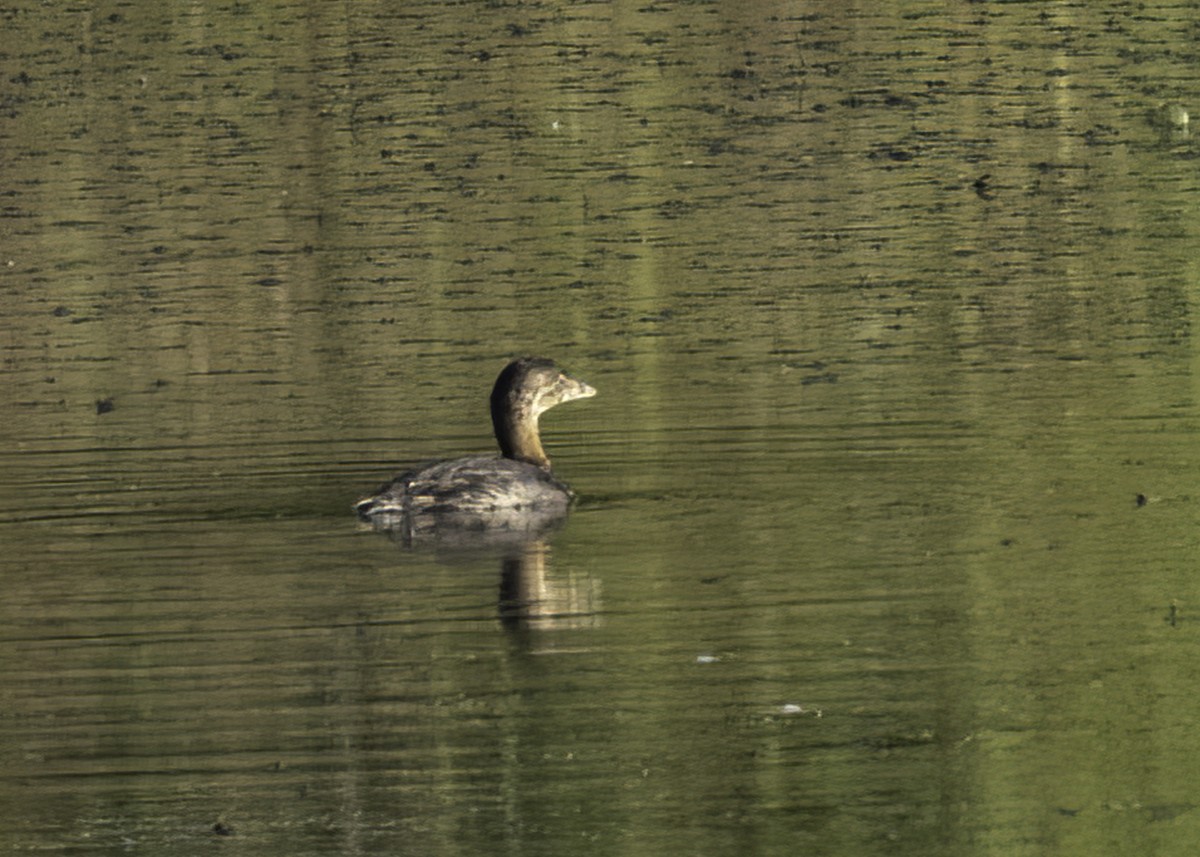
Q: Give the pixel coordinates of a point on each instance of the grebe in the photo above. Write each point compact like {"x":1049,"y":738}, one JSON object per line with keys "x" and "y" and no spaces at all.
{"x":515,"y":491}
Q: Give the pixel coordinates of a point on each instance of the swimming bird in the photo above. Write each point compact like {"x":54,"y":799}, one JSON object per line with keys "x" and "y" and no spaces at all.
{"x":513,"y":491}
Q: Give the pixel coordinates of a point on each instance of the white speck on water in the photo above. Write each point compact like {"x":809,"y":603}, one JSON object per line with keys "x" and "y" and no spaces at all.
{"x":793,"y":708}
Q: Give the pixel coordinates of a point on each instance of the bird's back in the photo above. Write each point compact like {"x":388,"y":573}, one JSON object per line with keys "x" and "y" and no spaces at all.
{"x":487,"y":491}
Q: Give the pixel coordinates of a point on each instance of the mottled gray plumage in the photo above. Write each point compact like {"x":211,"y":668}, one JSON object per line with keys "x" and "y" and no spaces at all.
{"x":487,"y":486}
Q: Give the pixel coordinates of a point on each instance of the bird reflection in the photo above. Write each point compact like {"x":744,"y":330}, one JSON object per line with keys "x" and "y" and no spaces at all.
{"x":533,"y":595}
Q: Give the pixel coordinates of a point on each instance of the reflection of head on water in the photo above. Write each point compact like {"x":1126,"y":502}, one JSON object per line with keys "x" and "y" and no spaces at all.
{"x":533,"y":595}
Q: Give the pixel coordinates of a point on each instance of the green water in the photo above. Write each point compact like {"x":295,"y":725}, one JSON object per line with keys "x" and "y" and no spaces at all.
{"x":887,"y":532}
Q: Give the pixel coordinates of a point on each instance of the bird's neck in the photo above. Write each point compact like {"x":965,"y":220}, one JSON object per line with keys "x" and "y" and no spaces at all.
{"x":517,"y":433}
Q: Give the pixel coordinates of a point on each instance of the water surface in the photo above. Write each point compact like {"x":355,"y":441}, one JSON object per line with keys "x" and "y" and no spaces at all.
{"x":887,"y":526}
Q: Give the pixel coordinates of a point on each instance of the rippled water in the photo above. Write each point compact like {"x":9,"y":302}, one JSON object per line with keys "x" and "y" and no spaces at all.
{"x":887,"y":531}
